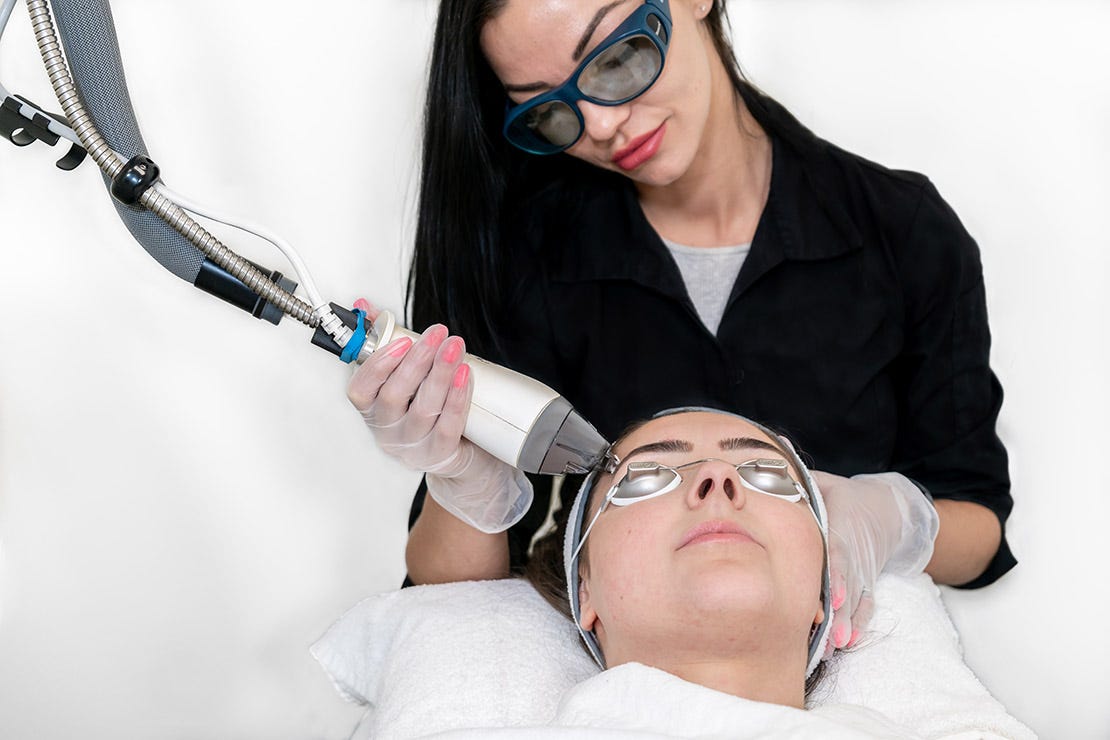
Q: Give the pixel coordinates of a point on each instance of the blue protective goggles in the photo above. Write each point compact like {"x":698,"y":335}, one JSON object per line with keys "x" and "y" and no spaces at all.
{"x":622,"y":67}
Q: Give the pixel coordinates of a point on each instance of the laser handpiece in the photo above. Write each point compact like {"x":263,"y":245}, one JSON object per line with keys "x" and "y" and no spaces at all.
{"x":515,"y":418}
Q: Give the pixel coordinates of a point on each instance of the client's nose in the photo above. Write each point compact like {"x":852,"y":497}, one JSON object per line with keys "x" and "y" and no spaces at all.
{"x":715,"y":478}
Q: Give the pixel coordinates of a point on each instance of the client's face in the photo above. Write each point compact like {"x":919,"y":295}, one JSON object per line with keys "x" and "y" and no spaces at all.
{"x":710,"y":567}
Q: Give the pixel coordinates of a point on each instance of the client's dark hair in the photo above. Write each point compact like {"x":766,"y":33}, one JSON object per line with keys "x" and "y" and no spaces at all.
{"x":545,"y":569}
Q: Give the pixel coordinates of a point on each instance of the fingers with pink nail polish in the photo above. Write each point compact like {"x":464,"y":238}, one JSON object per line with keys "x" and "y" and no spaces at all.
{"x":398,"y":347}
{"x":462,"y":375}
{"x":452,"y":349}
{"x":371,"y":310}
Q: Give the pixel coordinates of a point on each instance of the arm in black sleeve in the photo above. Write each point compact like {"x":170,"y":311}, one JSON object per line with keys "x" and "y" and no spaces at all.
{"x":520,"y":534}
{"x":950,"y":397}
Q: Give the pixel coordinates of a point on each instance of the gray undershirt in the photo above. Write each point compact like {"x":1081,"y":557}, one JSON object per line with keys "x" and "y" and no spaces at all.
{"x":709,"y":274}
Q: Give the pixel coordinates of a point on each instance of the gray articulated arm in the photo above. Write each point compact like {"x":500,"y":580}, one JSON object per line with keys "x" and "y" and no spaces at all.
{"x":88,"y":36}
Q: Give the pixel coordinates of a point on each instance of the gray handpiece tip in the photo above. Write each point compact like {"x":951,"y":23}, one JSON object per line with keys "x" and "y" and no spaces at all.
{"x":578,"y":447}
{"x":561,"y":441}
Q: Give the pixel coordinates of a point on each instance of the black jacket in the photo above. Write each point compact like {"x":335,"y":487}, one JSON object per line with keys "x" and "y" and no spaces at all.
{"x":857,"y":325}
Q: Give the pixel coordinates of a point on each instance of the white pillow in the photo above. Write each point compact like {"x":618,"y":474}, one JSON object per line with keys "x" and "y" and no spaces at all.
{"x":495,"y":654}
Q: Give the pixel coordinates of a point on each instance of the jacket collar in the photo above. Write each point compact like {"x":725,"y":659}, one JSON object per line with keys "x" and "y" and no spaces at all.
{"x":805,"y":217}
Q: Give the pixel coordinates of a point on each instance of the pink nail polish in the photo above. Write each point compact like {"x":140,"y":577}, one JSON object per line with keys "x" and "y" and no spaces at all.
{"x":462,"y":374}
{"x":435,"y":334}
{"x":854,"y":638}
{"x":841,"y":638}
{"x":362,"y":304}
{"x":453,"y":350}
{"x":399,"y":347}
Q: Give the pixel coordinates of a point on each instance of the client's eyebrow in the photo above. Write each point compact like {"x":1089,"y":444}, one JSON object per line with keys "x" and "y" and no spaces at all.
{"x":663,"y":445}
{"x":681,"y":445}
{"x":742,"y":443}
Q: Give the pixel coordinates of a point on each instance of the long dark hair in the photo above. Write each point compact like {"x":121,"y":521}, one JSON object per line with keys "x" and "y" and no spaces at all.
{"x":470,"y":177}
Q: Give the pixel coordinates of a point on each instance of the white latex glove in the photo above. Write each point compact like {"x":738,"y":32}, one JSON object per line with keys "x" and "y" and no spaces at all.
{"x":415,"y":399}
{"x":877,"y":523}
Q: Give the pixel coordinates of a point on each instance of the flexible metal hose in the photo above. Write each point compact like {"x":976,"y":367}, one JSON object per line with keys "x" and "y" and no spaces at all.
{"x":105,"y":158}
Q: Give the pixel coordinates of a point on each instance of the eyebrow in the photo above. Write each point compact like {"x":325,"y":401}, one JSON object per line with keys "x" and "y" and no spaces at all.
{"x":578,"y":50}
{"x":588,"y":34}
{"x":530,"y":87}
{"x":663,"y":445}
{"x":681,"y":445}
{"x":744,"y":443}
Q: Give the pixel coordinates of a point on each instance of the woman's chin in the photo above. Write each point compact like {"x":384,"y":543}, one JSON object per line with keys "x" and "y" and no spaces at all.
{"x":729,"y":587}
{"x":656,"y":173}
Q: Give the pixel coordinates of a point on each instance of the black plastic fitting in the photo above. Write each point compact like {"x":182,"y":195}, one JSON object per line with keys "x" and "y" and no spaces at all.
{"x":21,"y":131}
{"x":134,"y":179}
{"x":215,"y":280}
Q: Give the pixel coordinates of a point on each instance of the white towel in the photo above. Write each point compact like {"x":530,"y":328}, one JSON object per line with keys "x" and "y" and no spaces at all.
{"x":432,"y":658}
{"x":637,"y":702}
{"x":910,"y":668}
{"x":493,"y":654}
{"x":645,"y":701}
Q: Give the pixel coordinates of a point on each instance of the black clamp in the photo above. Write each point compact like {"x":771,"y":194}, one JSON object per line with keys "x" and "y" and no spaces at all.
{"x":21,"y":131}
{"x":134,"y":179}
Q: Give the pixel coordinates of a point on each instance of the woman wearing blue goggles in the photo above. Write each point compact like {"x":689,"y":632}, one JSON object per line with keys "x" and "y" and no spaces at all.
{"x":621,"y":68}
{"x":783,"y":272}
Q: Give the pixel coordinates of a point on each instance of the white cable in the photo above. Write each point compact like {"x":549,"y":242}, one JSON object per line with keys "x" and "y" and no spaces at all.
{"x":299,"y":267}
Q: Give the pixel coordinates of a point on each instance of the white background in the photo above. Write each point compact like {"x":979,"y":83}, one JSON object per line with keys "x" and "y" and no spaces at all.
{"x":186,"y":500}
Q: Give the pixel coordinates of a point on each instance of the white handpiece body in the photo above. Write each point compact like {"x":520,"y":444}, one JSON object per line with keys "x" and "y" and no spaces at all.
{"x":504,"y":408}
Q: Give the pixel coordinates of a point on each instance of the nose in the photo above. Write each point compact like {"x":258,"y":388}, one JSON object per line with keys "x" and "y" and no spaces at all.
{"x":715,"y":478}
{"x":602,"y":121}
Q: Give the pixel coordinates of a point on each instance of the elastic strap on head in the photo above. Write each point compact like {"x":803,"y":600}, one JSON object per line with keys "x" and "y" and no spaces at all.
{"x":570,"y":542}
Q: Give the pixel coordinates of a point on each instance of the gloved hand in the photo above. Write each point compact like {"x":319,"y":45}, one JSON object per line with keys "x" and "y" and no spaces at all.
{"x":877,"y":523}
{"x":415,"y":399}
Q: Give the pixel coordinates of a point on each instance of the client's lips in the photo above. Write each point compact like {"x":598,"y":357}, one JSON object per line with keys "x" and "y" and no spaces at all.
{"x":716,"y":530}
{"x":640,"y":149}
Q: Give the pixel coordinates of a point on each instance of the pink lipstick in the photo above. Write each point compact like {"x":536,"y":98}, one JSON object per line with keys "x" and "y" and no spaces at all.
{"x":640,"y":149}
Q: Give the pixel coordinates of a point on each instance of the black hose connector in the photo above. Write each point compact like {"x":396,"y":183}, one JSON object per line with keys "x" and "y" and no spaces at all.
{"x":215,"y":280}
{"x":134,"y":179}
